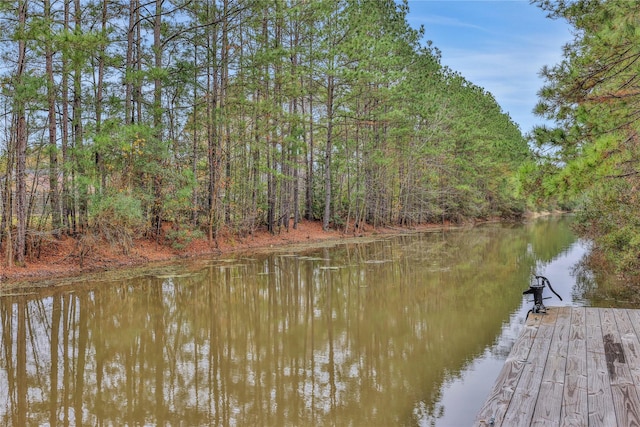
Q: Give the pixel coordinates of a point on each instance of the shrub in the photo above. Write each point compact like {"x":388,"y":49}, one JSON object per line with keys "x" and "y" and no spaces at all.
{"x":180,"y":239}
{"x":117,"y":218}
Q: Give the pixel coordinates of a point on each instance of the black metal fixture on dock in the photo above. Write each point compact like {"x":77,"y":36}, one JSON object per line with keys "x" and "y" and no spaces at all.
{"x":536,"y":289}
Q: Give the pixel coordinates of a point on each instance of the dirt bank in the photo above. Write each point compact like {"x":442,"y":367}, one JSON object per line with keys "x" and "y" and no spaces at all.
{"x":66,"y":257}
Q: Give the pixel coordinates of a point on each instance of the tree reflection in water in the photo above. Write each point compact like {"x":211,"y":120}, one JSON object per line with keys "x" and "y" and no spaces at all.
{"x":357,"y":334}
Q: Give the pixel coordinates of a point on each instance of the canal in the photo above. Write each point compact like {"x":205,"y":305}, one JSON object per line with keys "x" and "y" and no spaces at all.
{"x":409,"y":330}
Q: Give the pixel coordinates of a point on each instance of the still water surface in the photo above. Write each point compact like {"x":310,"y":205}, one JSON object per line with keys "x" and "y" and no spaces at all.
{"x":404,"y":331}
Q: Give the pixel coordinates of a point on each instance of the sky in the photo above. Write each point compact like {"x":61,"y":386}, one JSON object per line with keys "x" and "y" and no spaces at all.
{"x":499,"y":45}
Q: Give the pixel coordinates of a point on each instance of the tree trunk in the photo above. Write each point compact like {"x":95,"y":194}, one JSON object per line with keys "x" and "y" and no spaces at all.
{"x":78,"y":129}
{"x":212,"y":128}
{"x":327,"y":156}
{"x":157,"y":123}
{"x":68,"y":214}
{"x":225,"y":127}
{"x":129,"y":63}
{"x":54,"y":199}
{"x":99,"y":95}
{"x":194,"y":147}
{"x":310,"y":147}
{"x":21,"y":144}
{"x":6,"y":234}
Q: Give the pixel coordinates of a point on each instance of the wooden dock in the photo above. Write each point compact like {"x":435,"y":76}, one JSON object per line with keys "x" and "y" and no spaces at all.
{"x":573,"y":366}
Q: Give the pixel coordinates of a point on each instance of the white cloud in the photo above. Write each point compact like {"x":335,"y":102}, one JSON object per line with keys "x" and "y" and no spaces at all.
{"x":499,"y":47}
{"x":509,"y":71}
{"x":446,"y":21}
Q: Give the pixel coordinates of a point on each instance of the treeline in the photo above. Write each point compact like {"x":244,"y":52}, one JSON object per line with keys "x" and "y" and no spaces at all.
{"x":593,"y":154}
{"x":121,"y":115}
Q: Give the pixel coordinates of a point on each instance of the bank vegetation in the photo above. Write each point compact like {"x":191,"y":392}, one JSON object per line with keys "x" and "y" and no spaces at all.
{"x":181,"y":119}
{"x":590,"y":158}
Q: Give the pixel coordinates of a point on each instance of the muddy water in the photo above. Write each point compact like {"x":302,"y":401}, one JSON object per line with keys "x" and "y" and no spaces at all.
{"x":408,"y":330}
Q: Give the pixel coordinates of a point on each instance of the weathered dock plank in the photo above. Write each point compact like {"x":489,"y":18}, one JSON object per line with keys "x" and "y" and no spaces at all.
{"x":573,"y":366}
{"x":629,"y":328}
{"x":553,"y":379}
{"x":625,"y":396}
{"x":496,"y":405}
{"x":599,"y":400}
{"x":522,"y":405}
{"x":574,"y":402}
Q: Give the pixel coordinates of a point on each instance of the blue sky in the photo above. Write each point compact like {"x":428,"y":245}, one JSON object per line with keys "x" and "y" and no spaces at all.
{"x":498,"y":45}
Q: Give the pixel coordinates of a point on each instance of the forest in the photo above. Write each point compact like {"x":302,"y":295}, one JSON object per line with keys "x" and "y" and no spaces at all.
{"x":589,"y":159}
{"x":121,"y":116}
